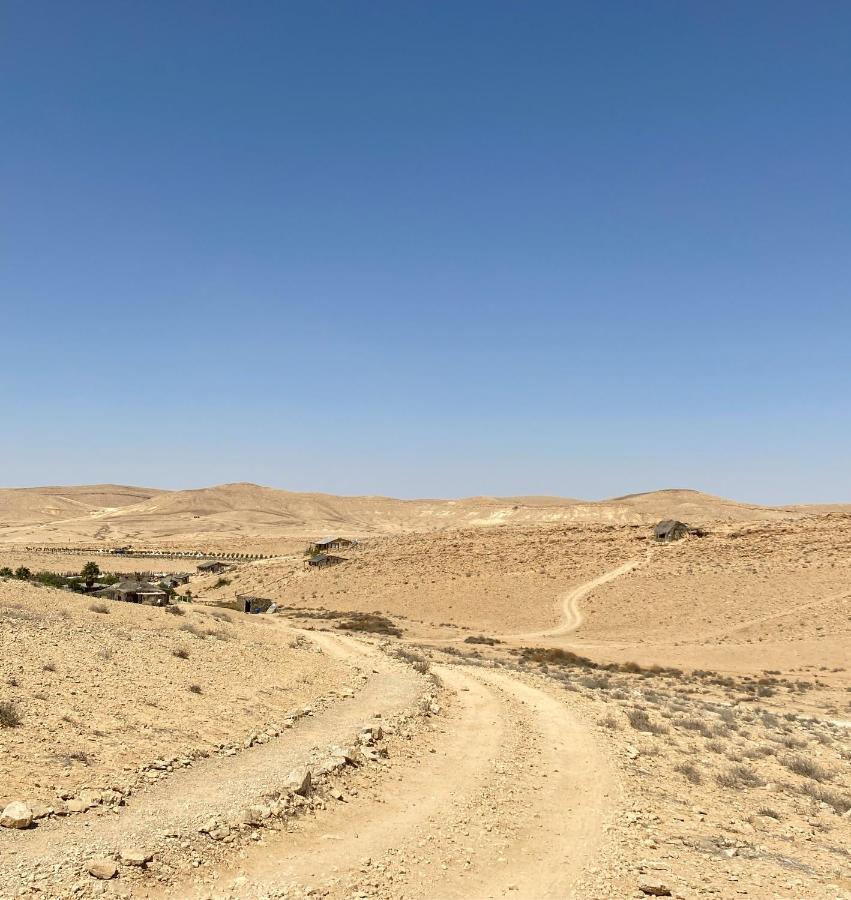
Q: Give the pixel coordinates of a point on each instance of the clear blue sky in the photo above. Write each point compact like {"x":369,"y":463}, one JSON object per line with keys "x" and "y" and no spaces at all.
{"x":428,"y":248}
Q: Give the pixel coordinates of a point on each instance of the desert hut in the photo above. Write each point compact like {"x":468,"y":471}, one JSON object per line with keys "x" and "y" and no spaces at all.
{"x":172,"y":582}
{"x":248,"y":604}
{"x":330,"y":543}
{"x":671,"y":530}
{"x":135,"y":592}
{"x":323,"y":560}
{"x":213,"y":567}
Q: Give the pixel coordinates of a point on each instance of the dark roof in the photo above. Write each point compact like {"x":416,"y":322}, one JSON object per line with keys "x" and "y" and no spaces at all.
{"x":210,"y":563}
{"x":324,"y":541}
{"x":137,"y":587}
{"x":324,"y":557}
{"x":669,"y":525}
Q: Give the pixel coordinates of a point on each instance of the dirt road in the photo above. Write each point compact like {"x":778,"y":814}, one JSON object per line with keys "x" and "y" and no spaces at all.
{"x":508,"y":797}
{"x":214,"y":787}
{"x":569,"y":602}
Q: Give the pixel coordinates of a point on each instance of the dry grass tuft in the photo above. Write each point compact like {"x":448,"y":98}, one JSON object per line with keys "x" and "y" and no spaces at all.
{"x":806,"y":767}
{"x":9,"y":716}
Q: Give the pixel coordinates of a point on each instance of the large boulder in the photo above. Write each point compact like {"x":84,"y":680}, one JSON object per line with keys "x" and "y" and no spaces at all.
{"x":16,"y":815}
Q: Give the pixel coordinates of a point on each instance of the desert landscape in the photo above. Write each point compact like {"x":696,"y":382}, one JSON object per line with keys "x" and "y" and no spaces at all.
{"x":522,"y":697}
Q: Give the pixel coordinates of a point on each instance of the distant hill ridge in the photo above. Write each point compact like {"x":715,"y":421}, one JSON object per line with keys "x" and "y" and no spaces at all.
{"x":106,"y":514}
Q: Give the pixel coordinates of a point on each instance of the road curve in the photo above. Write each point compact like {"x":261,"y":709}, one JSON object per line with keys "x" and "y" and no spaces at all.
{"x":568,"y":603}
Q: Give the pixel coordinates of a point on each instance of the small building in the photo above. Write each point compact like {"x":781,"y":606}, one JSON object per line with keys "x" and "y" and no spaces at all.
{"x":172,"y":582}
{"x":322,"y":560}
{"x":248,"y":604}
{"x":135,"y":592}
{"x":671,"y":530}
{"x":212,"y":567}
{"x":331,"y":543}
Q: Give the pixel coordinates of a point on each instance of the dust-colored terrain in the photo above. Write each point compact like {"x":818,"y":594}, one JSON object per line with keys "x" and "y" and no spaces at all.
{"x":537,"y":700}
{"x":241,"y":516}
{"x":102,"y":688}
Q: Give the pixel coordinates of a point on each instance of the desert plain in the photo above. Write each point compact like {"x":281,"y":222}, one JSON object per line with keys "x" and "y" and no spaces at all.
{"x":525,"y":697}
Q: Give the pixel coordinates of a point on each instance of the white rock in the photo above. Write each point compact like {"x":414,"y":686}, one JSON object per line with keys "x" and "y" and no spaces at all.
{"x":16,"y":815}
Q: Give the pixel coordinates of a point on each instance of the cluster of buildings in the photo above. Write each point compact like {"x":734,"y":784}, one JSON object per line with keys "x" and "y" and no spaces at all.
{"x":319,"y":553}
{"x":156,"y":591}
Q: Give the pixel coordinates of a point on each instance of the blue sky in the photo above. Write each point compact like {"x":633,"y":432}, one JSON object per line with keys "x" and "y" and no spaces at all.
{"x":428,"y":249}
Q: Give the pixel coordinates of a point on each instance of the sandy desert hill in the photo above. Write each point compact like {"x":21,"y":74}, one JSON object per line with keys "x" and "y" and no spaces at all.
{"x":241,"y":516}
{"x":33,"y":506}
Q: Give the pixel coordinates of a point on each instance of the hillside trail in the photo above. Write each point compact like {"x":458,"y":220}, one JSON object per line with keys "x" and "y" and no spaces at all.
{"x":218,"y":785}
{"x":509,"y":795}
{"x":568,"y":603}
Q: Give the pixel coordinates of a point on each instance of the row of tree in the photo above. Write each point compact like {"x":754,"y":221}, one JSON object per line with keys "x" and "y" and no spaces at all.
{"x":89,"y":574}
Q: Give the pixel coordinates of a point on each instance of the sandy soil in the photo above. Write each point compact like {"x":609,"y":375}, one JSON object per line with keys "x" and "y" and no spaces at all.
{"x":648,"y":720}
{"x":100,"y":694}
{"x":238,"y":516}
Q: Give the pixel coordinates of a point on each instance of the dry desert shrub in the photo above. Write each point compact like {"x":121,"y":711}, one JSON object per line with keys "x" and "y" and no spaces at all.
{"x":173,"y":610}
{"x":369,"y":622}
{"x":595,"y":682}
{"x":416,"y":660}
{"x":609,"y":721}
{"x":180,"y":653}
{"x":768,"y":812}
{"x":692,"y":724}
{"x":790,"y":742}
{"x":840,"y":803}
{"x":691,"y":772}
{"x":641,"y":721}
{"x":101,"y":608}
{"x":806,"y":767}
{"x":739,"y":776}
{"x":194,"y":630}
{"x":9,"y":716}
{"x":195,"y":689}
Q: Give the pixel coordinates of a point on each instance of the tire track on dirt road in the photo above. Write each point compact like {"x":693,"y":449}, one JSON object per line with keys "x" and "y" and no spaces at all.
{"x":568,"y":603}
{"x":510,"y":798}
{"x":217,"y":786}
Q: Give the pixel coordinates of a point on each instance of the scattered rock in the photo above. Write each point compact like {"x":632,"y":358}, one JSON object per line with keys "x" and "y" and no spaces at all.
{"x":654,"y":889}
{"x":299,"y":781}
{"x":103,"y":869}
{"x":16,"y":815}
{"x":133,"y":856}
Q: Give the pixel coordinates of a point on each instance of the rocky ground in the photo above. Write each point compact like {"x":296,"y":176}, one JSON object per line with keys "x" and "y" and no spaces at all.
{"x":99,"y":690}
{"x":476,"y":748}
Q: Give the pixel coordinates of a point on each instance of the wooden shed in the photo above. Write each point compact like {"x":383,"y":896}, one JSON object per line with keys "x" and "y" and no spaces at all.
{"x":322,"y":560}
{"x":331,"y":543}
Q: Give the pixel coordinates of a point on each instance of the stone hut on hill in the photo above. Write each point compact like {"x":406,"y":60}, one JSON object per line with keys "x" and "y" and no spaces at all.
{"x":135,"y":592}
{"x":671,"y":530}
{"x":330,"y":543}
{"x":323,"y":560}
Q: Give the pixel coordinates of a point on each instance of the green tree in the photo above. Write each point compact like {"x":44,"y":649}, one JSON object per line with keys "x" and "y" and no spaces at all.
{"x":90,"y":573}
{"x":5,"y":572}
{"x":23,"y":573}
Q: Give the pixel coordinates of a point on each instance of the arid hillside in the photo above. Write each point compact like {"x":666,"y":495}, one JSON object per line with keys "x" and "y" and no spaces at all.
{"x":769,"y":594}
{"x":37,"y":506}
{"x":251,"y":518}
{"x":98,"y":688}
